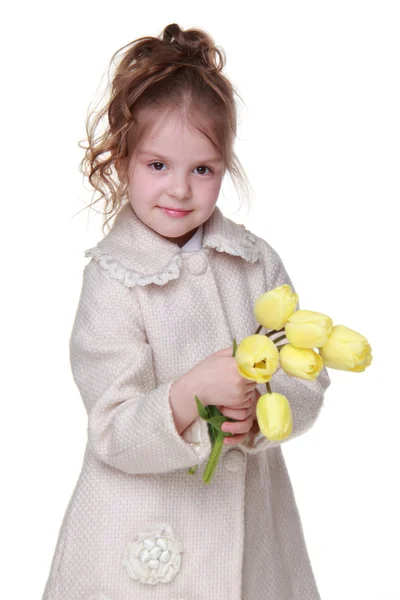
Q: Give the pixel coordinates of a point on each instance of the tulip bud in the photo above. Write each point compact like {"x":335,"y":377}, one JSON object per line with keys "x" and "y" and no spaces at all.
{"x":308,"y":329}
{"x":300,"y":362}
{"x":346,"y":350}
{"x":257,"y":358}
{"x":274,"y":416}
{"x":273,"y":308}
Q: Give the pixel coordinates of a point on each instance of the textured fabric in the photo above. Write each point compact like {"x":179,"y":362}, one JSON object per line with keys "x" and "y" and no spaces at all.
{"x":138,"y":526}
{"x":193,"y":434}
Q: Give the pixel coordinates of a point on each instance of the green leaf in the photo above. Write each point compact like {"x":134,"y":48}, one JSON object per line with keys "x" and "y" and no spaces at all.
{"x":217,"y":421}
{"x":211,"y":433}
{"x":204,"y":414}
{"x":213,"y":410}
{"x":213,"y":460}
{"x":234,"y":347}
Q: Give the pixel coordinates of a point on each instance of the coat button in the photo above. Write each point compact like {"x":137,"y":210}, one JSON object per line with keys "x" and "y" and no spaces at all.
{"x":196,"y":263}
{"x":234,"y":460}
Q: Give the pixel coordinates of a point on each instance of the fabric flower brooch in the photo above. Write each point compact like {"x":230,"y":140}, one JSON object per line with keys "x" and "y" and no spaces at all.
{"x":154,"y":554}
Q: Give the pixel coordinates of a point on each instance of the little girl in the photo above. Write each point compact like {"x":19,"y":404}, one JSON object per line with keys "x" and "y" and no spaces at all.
{"x":166,"y":291}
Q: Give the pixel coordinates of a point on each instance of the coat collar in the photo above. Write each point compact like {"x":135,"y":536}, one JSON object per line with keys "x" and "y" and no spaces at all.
{"x":137,"y":255}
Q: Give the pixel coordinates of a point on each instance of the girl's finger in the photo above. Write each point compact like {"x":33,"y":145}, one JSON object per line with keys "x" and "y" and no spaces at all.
{"x":238,"y":427}
{"x":237,"y":414}
{"x":247,"y":402}
{"x":236,"y":439}
{"x":251,"y":384}
{"x":229,"y":409}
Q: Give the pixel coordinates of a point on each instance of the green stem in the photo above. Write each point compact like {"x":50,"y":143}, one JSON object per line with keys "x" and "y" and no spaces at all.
{"x":214,"y":457}
{"x":268,"y":387}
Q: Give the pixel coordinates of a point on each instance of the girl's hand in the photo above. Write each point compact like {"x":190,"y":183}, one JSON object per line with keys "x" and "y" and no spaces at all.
{"x":244,"y":414}
{"x":219,"y":372}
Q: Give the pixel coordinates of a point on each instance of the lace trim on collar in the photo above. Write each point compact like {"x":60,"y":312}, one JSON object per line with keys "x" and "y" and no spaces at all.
{"x":131,"y":278}
{"x":247,"y":249}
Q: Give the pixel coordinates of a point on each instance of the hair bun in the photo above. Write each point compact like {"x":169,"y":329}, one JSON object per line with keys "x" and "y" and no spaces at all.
{"x":193,"y":45}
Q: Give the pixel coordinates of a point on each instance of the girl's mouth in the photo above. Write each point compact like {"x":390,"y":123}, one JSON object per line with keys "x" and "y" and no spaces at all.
{"x":173,"y":212}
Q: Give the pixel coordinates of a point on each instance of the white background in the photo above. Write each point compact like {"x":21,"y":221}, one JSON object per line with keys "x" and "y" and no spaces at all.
{"x":319,"y":139}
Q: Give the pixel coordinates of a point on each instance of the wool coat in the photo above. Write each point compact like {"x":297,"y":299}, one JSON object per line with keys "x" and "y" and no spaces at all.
{"x":138,"y":526}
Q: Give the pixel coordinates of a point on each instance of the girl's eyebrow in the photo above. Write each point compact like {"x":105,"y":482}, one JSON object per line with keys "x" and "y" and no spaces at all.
{"x":214,"y":159}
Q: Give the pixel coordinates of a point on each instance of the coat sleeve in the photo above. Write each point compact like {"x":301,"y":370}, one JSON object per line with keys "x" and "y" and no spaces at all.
{"x":305,"y":397}
{"x":130,"y":421}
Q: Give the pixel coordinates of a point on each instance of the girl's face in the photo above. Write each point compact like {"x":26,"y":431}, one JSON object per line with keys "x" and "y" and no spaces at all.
{"x":174,"y":166}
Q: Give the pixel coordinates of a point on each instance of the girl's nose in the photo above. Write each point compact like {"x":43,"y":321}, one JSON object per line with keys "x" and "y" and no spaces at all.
{"x":180,"y":187}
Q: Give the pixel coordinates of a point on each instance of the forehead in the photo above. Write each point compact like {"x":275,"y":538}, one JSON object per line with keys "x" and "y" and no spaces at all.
{"x":166,"y":130}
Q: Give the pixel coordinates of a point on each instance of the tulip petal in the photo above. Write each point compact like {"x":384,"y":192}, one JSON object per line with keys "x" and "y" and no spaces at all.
{"x":300,"y":362}
{"x":308,"y":329}
{"x":346,"y":350}
{"x":257,"y":358}
{"x":274,"y":416}
{"x":273,"y":308}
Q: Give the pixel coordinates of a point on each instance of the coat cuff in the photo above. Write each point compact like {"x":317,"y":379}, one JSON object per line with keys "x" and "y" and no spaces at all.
{"x":253,"y":443}
{"x":159,"y":447}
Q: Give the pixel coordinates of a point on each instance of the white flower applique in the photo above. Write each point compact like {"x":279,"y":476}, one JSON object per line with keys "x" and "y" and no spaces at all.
{"x":154,"y":554}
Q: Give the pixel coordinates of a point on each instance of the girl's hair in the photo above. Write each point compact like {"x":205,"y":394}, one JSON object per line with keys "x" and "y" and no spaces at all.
{"x":176,"y":72}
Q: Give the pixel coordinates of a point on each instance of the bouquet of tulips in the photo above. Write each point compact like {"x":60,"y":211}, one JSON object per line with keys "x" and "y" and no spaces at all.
{"x":313,"y":342}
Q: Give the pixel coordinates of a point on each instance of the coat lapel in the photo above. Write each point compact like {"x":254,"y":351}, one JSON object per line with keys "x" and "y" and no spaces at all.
{"x":135,"y":254}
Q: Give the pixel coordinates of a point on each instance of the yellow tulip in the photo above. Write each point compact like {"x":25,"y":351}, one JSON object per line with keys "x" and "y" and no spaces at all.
{"x":257,"y":358}
{"x":274,"y":416}
{"x":273,"y":308}
{"x":300,"y":362}
{"x":346,"y":350}
{"x":308,"y":329}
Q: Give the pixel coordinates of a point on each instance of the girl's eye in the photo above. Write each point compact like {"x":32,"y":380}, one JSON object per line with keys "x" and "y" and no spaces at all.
{"x":156,"y":163}
{"x":200,"y":167}
{"x":204,"y":167}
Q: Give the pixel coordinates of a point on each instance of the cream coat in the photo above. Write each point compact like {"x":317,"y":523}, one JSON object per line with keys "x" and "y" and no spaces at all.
{"x":138,"y":526}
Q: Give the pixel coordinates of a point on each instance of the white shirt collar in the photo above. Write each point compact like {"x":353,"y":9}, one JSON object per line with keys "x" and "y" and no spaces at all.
{"x":194,"y":244}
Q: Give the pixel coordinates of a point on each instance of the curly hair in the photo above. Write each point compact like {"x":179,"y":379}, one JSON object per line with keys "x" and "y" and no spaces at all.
{"x":177,"y":71}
